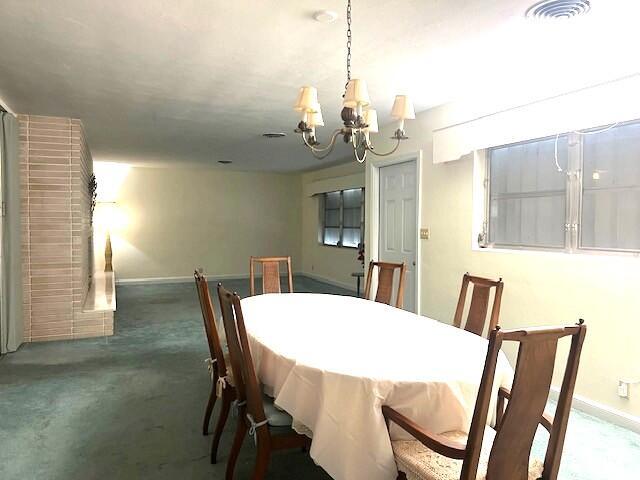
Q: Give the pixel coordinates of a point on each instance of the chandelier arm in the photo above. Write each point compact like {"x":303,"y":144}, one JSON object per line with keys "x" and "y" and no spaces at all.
{"x":321,"y":156}
{"x":386,"y":154}
{"x":355,"y":150}
{"x":323,"y":152}
{"x":329,"y":146}
{"x":358,"y":159}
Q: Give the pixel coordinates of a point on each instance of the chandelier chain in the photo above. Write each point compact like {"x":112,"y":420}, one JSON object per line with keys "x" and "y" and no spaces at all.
{"x":348,"y":40}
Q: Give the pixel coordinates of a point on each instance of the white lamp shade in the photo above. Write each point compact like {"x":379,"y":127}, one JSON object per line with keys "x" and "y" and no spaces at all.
{"x":356,"y":94}
{"x":314,"y":119}
{"x":403,"y":108}
{"x":371,"y":119}
{"x":307,"y":100}
{"x":106,"y":214}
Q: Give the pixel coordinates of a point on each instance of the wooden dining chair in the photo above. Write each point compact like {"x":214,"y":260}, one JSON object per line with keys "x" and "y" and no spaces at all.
{"x":386,"y":272}
{"x":503,"y":453}
{"x":269,"y":426}
{"x":477,"y":316}
{"x":270,"y":274}
{"x":221,"y":381}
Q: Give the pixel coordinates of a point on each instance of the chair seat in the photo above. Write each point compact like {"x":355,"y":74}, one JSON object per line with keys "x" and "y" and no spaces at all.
{"x":275,"y":416}
{"x":419,"y":462}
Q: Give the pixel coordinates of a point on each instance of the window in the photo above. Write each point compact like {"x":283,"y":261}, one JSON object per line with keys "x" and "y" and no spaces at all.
{"x":342,"y":218}
{"x":579,"y":191}
{"x":610,"y":216}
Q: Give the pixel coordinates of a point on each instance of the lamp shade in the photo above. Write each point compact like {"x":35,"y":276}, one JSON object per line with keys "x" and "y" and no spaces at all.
{"x":307,"y":100}
{"x":109,"y":216}
{"x":403,"y":108}
{"x":370,"y":117}
{"x":356,"y":94}
{"x":314,"y":119}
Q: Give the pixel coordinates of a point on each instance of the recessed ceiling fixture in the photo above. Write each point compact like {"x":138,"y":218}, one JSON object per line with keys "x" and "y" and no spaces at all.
{"x":558,"y":9}
{"x":358,"y":118}
{"x":325,"y":16}
{"x":274,"y":134}
{"x":225,"y":162}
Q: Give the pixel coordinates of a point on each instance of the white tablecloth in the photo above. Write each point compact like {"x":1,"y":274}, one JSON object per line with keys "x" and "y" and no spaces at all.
{"x":332,"y":361}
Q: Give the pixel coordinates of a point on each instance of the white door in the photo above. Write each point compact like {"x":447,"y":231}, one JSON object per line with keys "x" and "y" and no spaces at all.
{"x":398,"y":223}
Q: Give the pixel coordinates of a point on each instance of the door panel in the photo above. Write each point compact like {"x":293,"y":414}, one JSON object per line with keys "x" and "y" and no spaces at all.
{"x":408,"y":217}
{"x":390,"y":237}
{"x":398,"y":223}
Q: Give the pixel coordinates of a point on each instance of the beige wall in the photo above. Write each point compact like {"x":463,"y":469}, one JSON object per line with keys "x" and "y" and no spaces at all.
{"x":329,"y":263}
{"x":171,"y":220}
{"x":540,"y":288}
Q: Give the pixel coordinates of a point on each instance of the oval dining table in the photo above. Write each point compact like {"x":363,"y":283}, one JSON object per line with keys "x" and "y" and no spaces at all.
{"x":332,"y":361}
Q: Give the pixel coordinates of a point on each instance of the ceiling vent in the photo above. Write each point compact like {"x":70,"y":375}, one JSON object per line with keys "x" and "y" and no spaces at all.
{"x":558,"y":9}
{"x":274,"y":134}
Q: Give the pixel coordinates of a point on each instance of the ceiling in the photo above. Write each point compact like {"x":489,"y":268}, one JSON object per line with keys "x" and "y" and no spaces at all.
{"x":193,"y":82}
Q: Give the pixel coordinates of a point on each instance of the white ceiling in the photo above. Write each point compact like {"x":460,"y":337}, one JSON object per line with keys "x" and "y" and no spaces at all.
{"x":197,"y":81}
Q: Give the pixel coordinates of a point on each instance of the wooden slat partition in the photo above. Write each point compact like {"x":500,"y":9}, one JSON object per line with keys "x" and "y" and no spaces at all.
{"x":57,"y":252}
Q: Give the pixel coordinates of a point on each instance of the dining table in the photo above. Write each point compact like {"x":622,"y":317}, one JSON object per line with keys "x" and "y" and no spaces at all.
{"x":332,"y":361}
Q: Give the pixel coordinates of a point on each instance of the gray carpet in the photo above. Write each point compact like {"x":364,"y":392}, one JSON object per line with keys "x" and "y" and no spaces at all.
{"x":130,"y":406}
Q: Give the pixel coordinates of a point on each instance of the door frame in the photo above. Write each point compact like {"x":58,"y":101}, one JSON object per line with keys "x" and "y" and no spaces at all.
{"x":372,"y":210}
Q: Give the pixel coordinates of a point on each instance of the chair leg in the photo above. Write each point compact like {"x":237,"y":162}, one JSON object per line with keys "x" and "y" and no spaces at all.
{"x":209,"y":410}
{"x":222,"y":420}
{"x":241,"y":432}
{"x":262,"y":461}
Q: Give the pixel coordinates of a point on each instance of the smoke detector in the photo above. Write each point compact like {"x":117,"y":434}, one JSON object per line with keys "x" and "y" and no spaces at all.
{"x":325,"y":16}
{"x":558,"y":9}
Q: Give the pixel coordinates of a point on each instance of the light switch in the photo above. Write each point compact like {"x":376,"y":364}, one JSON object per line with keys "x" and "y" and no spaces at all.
{"x":424,"y":233}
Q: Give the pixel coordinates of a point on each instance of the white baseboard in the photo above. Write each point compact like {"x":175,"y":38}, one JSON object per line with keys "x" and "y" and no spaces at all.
{"x":330,"y":281}
{"x":144,"y":281}
{"x":601,"y":411}
{"x":188,"y":279}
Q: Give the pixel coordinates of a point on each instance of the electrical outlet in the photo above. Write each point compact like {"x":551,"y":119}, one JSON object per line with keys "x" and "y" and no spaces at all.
{"x":425,"y":233}
{"x":623,"y":389}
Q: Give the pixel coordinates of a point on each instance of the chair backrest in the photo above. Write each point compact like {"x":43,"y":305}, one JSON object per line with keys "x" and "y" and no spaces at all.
{"x":511,"y":449}
{"x":244,"y":375}
{"x":210,"y":326}
{"x":270,"y":274}
{"x":477,"y":316}
{"x":386,"y":271}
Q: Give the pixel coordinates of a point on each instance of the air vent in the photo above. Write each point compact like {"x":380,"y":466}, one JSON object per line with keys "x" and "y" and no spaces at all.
{"x":274,"y":134}
{"x":558,"y":9}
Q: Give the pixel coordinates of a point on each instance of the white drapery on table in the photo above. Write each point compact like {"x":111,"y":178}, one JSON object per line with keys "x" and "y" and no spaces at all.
{"x":332,"y":362}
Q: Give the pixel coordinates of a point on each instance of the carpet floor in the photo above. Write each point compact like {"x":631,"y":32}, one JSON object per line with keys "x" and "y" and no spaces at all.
{"x":130,"y":406}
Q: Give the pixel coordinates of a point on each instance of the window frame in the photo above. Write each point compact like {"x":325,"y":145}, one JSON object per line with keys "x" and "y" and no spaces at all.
{"x":574,"y":192}
{"x":322,"y":219}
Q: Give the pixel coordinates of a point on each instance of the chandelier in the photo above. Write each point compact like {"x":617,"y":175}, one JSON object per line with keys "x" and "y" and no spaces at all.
{"x":359,"y":119}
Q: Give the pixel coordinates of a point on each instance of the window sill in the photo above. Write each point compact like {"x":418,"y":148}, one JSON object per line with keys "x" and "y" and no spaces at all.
{"x":337,"y":246}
